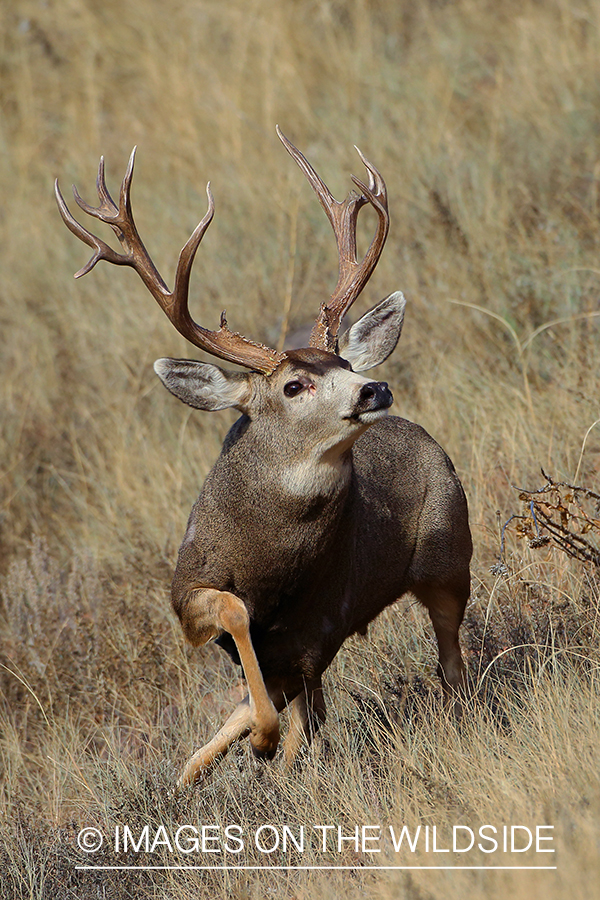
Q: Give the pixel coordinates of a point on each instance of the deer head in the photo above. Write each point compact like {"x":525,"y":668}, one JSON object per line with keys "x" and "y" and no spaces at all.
{"x":208,"y":387}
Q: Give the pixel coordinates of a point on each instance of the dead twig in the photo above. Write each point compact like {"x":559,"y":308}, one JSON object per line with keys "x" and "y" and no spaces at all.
{"x":561,"y":513}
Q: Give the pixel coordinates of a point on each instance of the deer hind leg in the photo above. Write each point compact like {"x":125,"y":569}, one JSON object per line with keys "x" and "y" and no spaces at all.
{"x":205,"y":614}
{"x":307,"y":714}
{"x":446,"y":607}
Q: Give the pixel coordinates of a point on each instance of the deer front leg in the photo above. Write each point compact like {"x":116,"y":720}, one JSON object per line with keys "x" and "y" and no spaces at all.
{"x":205,"y":614}
{"x":237,"y":726}
{"x":307,"y":714}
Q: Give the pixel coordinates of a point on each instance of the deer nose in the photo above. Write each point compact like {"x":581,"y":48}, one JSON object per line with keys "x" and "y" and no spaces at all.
{"x":376,"y":394}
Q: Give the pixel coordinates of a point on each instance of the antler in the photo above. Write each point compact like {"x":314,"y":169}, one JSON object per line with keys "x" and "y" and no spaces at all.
{"x":353,"y":275}
{"x":223,"y":343}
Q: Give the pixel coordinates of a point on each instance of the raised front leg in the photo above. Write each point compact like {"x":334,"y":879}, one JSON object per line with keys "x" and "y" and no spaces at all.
{"x":206,"y":614}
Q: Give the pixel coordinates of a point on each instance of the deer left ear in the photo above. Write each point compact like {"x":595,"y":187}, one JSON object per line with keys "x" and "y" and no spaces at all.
{"x":371,"y":340}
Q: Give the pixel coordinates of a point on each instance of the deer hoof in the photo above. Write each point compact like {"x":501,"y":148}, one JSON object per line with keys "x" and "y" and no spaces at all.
{"x":264,"y":743}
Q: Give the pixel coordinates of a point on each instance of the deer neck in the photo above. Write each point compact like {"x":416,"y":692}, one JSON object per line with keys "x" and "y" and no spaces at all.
{"x":285,"y":478}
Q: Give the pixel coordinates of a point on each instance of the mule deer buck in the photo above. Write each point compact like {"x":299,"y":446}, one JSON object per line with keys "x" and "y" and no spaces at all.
{"x":320,"y":510}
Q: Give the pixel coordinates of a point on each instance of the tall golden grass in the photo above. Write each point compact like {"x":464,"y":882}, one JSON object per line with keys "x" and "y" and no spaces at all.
{"x":484,"y":120}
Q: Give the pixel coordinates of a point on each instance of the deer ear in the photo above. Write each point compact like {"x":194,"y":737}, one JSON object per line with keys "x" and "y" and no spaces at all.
{"x":203,"y":385}
{"x":371,"y":340}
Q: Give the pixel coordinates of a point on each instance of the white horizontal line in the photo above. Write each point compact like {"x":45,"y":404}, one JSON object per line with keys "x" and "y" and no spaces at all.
{"x":328,"y":868}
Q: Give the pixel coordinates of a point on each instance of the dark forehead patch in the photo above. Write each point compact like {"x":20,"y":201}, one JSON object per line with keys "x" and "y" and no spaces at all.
{"x":317,"y":361}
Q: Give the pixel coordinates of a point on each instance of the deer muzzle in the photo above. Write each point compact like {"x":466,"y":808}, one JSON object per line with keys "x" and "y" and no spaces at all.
{"x":374,"y":396}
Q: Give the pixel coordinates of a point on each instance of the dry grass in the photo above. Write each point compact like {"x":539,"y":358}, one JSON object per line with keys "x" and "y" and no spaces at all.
{"x":484,"y":120}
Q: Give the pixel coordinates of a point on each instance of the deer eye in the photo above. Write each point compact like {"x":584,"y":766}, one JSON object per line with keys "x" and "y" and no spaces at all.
{"x":292,"y":388}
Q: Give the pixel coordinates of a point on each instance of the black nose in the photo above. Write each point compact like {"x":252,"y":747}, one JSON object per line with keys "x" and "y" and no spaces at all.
{"x":376,"y":395}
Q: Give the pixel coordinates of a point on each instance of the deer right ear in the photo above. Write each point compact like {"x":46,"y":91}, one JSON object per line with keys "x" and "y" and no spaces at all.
{"x":203,"y":385}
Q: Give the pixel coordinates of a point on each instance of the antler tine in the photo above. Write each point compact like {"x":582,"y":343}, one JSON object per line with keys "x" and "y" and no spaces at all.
{"x":376,"y":182}
{"x":223,"y":343}
{"x":102,"y":250}
{"x":328,"y":201}
{"x":343,"y":216}
{"x":103,"y":193}
{"x":186,"y":258}
{"x":108,"y":209}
